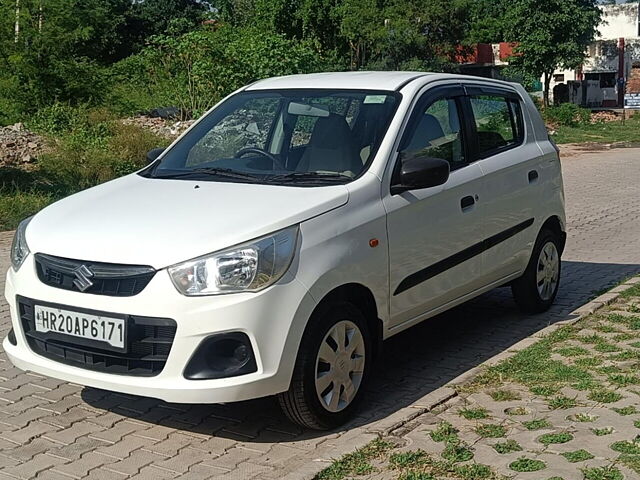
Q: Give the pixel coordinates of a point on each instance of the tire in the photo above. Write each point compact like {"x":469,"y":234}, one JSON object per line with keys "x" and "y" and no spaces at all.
{"x":303,"y":403}
{"x":536,"y":290}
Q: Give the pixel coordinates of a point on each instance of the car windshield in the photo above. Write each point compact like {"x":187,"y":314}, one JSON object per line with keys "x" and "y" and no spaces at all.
{"x":302,"y":137}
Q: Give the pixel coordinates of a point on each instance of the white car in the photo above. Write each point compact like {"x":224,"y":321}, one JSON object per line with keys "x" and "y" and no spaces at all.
{"x":275,"y":245}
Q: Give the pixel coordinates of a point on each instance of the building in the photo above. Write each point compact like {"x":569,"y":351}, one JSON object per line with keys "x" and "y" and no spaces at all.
{"x":613,"y":56}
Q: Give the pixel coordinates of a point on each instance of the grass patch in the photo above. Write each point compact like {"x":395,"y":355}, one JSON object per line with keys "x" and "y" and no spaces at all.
{"x":475,"y":471}
{"x":572,"y":351}
{"x":507,"y":447}
{"x":631,"y":292}
{"x":577,"y":456}
{"x":562,"y":403}
{"x":544,"y":390}
{"x":604,"y":396}
{"x":16,"y":205}
{"x":628,"y":410}
{"x":474,"y":413}
{"x":636,"y":424}
{"x":629,"y":448}
{"x":517,"y":411}
{"x":635,"y":344}
{"x":631,"y":461}
{"x":555,"y":438}
{"x":584,"y":418}
{"x":601,"y":432}
{"x":600,"y":132}
{"x":491,"y":431}
{"x":504,"y":395}
{"x":527,"y":465}
{"x":538,"y":424}
{"x":602,"y":473}
{"x":457,"y":452}
{"x":412,"y":459}
{"x":444,"y":433}
{"x":356,"y":463}
{"x":588,"y":362}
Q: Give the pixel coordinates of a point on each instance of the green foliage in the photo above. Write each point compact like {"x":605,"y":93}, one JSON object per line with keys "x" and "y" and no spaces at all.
{"x":600,"y":432}
{"x":444,"y":432}
{"x":504,"y":395}
{"x":356,"y":463}
{"x":567,"y":114}
{"x":474,"y":413}
{"x":508,"y":446}
{"x":553,"y":438}
{"x":536,"y":424}
{"x":527,"y":465}
{"x":602,"y":473}
{"x":491,"y":431}
{"x":631,"y":448}
{"x":16,"y":205}
{"x":457,"y":451}
{"x":577,"y":456}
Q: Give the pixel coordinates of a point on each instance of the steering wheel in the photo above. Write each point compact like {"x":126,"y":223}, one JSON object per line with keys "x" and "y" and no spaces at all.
{"x":276,"y":163}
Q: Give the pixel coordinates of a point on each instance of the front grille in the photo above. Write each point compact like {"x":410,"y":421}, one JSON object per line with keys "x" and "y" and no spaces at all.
{"x":106,"y":278}
{"x":148,"y":345}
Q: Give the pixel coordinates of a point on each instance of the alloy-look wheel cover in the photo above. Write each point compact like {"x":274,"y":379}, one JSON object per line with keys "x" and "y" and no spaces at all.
{"x":340,"y":366}
{"x":548,"y":271}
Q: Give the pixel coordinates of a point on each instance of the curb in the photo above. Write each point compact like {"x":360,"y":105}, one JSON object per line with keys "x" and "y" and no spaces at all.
{"x":447,"y":392}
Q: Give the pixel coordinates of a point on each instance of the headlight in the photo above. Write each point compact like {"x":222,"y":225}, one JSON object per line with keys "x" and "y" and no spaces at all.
{"x":19,"y":248}
{"x":248,"y":267}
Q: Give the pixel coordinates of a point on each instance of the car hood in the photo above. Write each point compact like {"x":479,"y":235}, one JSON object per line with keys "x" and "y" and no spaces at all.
{"x":160,"y":222}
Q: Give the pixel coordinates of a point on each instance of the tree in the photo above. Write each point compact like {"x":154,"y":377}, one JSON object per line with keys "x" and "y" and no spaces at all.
{"x":550,"y":35}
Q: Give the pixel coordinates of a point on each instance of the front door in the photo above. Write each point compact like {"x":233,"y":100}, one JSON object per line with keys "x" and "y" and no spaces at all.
{"x":432,"y":231}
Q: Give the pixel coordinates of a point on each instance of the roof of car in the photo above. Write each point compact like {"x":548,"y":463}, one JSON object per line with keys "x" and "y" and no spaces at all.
{"x":346,"y":80}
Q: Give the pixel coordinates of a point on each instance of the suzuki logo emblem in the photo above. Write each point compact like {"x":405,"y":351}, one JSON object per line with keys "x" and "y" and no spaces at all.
{"x":83,"y":278}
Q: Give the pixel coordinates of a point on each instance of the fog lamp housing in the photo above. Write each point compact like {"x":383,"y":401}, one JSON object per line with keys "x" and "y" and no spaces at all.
{"x":222,"y":356}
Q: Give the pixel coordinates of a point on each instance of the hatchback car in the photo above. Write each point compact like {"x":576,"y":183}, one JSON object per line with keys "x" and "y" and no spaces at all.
{"x":276,"y":244}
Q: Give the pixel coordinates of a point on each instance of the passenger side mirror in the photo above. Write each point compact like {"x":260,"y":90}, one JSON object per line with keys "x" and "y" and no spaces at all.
{"x":152,"y":155}
{"x":421,"y":172}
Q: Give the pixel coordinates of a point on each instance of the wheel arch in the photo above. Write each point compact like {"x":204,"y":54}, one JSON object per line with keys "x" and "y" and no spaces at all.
{"x":554,"y":224}
{"x":362,"y":297}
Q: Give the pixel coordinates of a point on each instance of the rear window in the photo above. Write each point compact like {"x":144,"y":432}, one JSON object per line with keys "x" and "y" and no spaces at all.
{"x":498,"y":122}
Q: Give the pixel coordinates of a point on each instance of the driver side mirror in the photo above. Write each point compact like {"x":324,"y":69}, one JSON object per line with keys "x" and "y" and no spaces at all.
{"x":153,"y":154}
{"x":421,"y":172}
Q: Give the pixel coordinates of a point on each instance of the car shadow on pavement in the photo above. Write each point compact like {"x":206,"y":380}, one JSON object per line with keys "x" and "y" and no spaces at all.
{"x":413,"y":363}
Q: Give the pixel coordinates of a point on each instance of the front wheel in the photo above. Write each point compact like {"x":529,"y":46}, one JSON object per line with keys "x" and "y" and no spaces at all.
{"x":536,"y":290}
{"x":331,"y":368}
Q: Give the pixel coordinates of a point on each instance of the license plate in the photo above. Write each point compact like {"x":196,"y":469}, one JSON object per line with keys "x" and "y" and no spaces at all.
{"x":82,"y":325}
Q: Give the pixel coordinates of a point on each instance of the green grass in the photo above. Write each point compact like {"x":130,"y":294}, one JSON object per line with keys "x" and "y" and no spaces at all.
{"x":605,"y":132}
{"x":572,"y":351}
{"x":555,"y":438}
{"x":636,"y":424}
{"x":601,"y":432}
{"x":456,"y":452}
{"x":577,"y":456}
{"x":584,"y":417}
{"x":602,"y":473}
{"x":474,"y":413}
{"x":474,"y":471}
{"x":588,"y":362}
{"x":504,"y":395}
{"x":562,"y":403}
{"x":411,"y":459}
{"x":631,"y":461}
{"x":629,"y":448}
{"x":356,"y":463}
{"x":18,"y":204}
{"x":517,"y":411}
{"x":628,"y":410}
{"x":507,"y":447}
{"x":604,"y":396}
{"x":544,"y":390}
{"x":491,"y":431}
{"x":538,"y":424}
{"x":444,"y":432}
{"x":527,"y":465}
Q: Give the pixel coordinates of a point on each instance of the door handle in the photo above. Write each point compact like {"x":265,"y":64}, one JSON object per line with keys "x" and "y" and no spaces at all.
{"x":533,"y":176}
{"x":467,"y":202}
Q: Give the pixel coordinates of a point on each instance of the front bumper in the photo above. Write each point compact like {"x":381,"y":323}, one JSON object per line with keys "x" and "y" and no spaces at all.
{"x":273,"y":319}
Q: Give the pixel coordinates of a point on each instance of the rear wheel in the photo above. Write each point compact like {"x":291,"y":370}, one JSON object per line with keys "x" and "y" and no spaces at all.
{"x":536,"y":290}
{"x":331,"y":368}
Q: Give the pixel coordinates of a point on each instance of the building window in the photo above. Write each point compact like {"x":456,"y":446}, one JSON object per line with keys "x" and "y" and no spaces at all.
{"x":558,"y":78}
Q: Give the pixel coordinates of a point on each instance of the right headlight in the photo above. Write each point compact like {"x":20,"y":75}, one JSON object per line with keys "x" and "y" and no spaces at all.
{"x":251,"y":267}
{"x":19,"y":247}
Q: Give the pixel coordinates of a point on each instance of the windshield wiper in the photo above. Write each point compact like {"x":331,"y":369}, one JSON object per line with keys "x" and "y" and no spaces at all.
{"x":213,"y":171}
{"x":309,"y":177}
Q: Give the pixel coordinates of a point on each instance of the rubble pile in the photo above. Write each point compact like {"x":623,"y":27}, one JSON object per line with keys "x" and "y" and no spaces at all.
{"x":604,"y":116}
{"x":19,"y":147}
{"x":163,"y":127}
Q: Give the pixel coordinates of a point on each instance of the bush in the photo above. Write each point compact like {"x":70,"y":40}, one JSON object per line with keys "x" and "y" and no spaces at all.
{"x":16,"y":205}
{"x":567,"y":115}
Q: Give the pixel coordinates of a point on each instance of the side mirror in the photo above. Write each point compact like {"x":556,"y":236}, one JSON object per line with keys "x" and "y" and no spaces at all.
{"x":152,"y":155}
{"x":421,"y":172}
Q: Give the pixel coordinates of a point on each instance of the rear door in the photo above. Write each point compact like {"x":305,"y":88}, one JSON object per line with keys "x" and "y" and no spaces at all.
{"x":510,"y":160}
{"x":432,"y":231}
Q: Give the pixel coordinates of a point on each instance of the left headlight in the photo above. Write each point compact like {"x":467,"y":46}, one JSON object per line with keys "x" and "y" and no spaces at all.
{"x":248,"y":267}
{"x":19,"y":247}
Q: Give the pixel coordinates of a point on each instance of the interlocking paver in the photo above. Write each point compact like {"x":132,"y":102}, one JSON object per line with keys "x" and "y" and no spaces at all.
{"x":252,"y":439}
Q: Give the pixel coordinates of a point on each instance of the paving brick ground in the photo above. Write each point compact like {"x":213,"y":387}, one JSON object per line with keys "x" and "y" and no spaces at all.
{"x":51,"y":429}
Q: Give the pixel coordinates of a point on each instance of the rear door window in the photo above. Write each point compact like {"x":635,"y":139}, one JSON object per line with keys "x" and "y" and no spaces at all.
{"x":498,"y":122}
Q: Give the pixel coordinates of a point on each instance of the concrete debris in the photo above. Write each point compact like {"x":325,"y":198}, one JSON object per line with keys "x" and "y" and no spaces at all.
{"x":20,"y":147}
{"x":167,"y":128}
